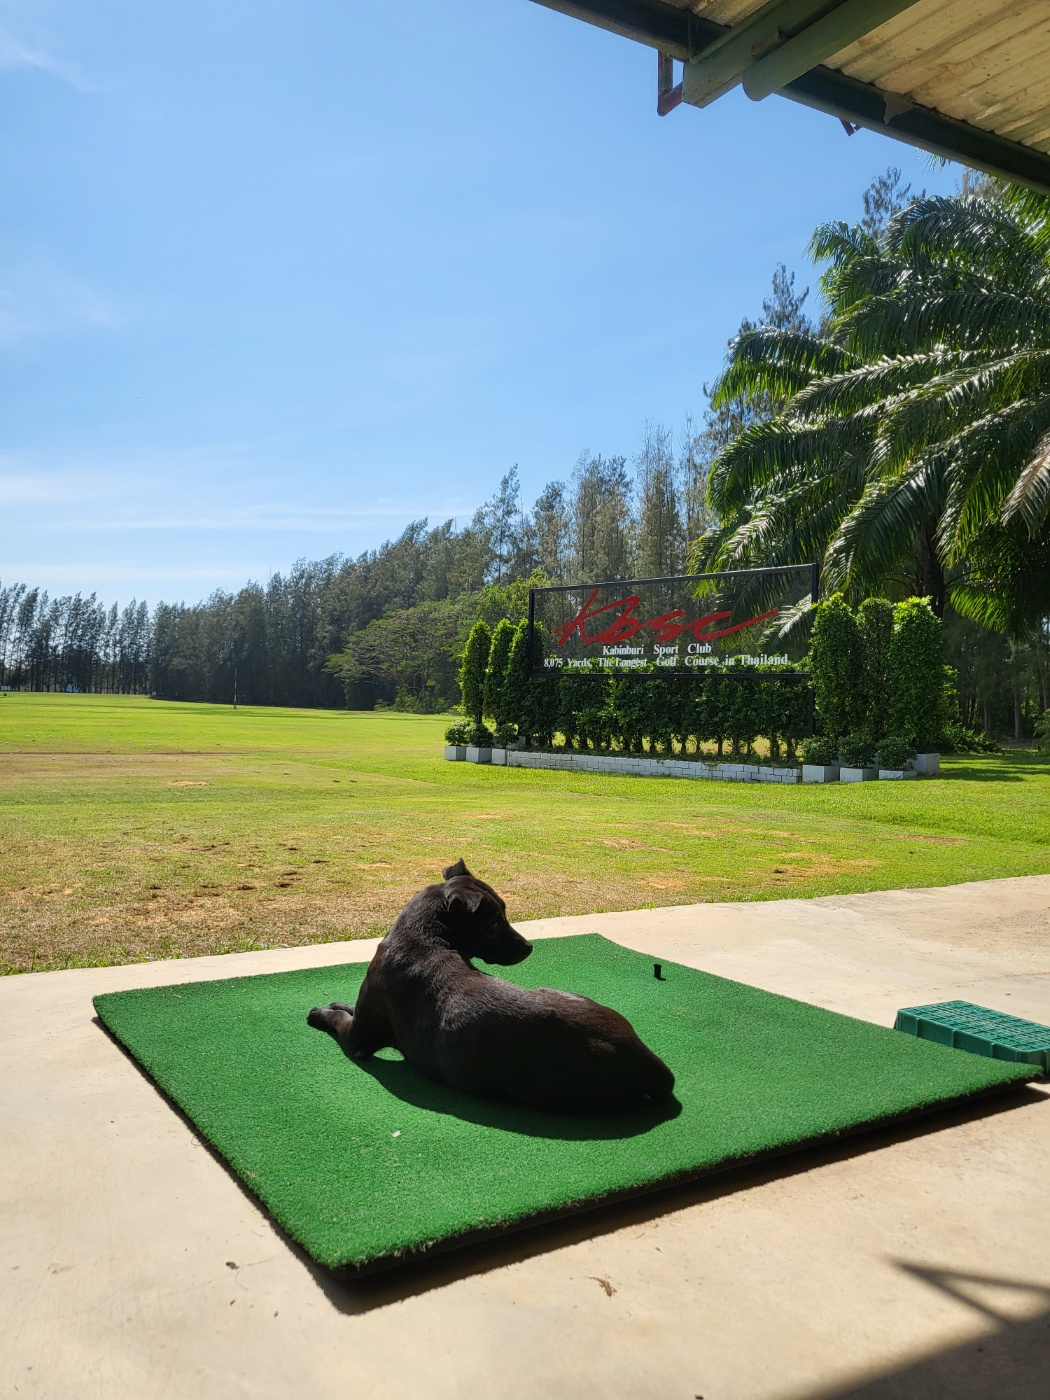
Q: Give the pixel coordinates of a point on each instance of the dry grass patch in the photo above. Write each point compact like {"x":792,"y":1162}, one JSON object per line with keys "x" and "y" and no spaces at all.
{"x":214,"y":832}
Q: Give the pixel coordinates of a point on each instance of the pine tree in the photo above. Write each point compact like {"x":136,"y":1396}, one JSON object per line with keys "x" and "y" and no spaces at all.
{"x":504,"y":520}
{"x":600,"y":520}
{"x":550,"y":532}
{"x":783,"y":310}
{"x":883,"y":198}
{"x":659,"y":534}
{"x":692,"y":477}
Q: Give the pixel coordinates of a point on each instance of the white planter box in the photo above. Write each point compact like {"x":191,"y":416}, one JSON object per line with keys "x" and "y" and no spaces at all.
{"x":499,"y":756}
{"x":820,"y":772}
{"x":478,"y":755}
{"x":858,"y":775}
{"x":927,"y":763}
{"x":455,"y":753}
{"x":892,"y":773}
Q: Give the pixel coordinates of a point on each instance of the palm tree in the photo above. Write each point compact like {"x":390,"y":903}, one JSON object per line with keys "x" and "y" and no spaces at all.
{"x":911,"y":449}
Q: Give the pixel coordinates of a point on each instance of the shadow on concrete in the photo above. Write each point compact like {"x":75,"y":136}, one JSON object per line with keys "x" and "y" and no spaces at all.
{"x":1008,"y":1361}
{"x":404,"y":1083}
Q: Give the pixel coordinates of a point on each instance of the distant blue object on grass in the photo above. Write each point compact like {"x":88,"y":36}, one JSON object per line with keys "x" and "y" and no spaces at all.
{"x":965,"y":1026}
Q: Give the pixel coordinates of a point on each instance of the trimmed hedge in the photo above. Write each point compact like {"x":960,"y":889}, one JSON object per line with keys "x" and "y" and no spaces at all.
{"x":917,"y":708}
{"x":880,"y":674}
{"x":836,"y":657}
{"x":875,"y":628}
{"x":643,"y":712}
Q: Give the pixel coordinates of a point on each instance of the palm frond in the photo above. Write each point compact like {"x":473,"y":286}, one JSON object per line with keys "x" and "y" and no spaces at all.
{"x":777,"y":363}
{"x":984,"y":461}
{"x":974,"y":233}
{"x":783,"y":451}
{"x":881,"y":528}
{"x":933,"y":412}
{"x":1029,"y":496}
{"x":839,"y":242}
{"x":873,"y":382}
{"x":1000,"y":321}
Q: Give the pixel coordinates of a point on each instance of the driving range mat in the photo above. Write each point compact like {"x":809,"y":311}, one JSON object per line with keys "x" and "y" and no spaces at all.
{"x":366,"y":1163}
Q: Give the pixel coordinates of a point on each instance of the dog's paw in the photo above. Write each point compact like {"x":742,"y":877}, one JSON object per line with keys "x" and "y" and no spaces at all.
{"x":333,"y":1018}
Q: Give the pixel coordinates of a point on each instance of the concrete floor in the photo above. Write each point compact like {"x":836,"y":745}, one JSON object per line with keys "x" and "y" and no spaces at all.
{"x":915,"y":1263}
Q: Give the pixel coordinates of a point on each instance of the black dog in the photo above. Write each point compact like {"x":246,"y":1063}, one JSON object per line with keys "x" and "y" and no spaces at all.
{"x":463,"y":1027}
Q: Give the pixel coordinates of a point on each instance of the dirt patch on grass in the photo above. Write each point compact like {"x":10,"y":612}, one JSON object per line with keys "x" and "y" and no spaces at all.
{"x":624,"y":843}
{"x":43,"y":929}
{"x":821,"y":866}
{"x":934,"y":840}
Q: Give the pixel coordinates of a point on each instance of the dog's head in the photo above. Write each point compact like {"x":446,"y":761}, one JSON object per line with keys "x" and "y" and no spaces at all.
{"x":475,"y":920}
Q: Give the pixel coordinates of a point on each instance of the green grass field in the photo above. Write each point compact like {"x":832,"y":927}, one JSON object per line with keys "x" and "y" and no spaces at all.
{"x":134,"y":828}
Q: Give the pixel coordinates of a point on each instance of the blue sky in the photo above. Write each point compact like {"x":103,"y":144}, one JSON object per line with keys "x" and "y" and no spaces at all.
{"x":277,"y":278}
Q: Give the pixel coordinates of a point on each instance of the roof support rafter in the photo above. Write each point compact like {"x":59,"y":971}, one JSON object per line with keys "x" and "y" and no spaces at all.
{"x":685,"y":36}
{"x":722,"y":64}
{"x":828,"y":35}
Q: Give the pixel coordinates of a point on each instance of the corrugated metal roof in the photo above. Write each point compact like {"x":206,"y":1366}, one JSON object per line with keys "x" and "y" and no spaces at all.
{"x":986,"y":62}
{"x":969,"y":79}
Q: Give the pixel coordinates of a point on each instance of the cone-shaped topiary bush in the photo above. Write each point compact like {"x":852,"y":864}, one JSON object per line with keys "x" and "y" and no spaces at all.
{"x":836,"y":662}
{"x":472,"y":670}
{"x":875,"y":624}
{"x":917,"y":709}
{"x":494,"y":693}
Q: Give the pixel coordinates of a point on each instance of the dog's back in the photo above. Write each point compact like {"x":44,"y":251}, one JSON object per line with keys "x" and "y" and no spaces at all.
{"x":556,"y":1050}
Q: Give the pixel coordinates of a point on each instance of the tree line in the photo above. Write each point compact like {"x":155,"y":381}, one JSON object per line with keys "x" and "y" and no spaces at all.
{"x":56,"y":643}
{"x":386,"y":627}
{"x":898,"y":435}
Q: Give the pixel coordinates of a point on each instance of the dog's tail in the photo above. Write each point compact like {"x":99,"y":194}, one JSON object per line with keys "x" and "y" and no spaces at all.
{"x":659,"y":1081}
{"x":651,"y":1076}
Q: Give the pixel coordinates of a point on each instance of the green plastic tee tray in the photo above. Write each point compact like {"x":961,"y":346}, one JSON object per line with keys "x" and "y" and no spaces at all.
{"x":366,"y":1163}
{"x":964,"y":1026}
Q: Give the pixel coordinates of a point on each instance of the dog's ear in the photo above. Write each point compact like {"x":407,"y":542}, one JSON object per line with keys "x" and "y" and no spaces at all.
{"x":470,"y":898}
{"x":451,"y":871}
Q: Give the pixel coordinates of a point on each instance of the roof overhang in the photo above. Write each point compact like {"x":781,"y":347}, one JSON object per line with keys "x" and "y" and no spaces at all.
{"x":971,"y":84}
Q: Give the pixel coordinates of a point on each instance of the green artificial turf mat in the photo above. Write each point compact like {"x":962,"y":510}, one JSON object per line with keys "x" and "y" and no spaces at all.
{"x":365,"y":1163}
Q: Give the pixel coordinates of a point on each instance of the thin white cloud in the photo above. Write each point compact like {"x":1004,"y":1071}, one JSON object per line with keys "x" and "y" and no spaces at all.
{"x":55,"y":575}
{"x":165,"y":492}
{"x":14,"y":53}
{"x":65,"y":489}
{"x":265,"y":518}
{"x":40,"y":299}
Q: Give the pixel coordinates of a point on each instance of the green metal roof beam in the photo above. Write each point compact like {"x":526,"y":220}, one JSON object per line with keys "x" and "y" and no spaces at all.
{"x":722,"y":64}
{"x":679,"y":33}
{"x":828,"y":35}
{"x":685,"y":36}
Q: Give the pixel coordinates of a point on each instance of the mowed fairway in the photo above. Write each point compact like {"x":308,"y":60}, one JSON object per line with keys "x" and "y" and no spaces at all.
{"x":134,"y":828}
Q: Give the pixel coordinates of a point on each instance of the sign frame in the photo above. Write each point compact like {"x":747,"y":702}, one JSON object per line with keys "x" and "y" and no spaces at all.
{"x":540,"y":672}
